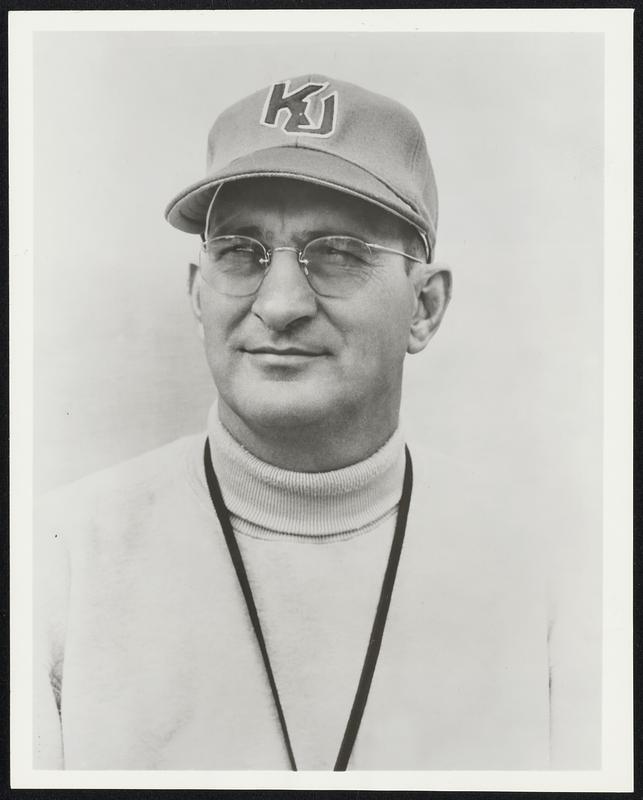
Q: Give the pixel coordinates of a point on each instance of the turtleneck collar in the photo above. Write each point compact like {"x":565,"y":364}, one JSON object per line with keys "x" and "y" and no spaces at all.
{"x":267,"y":500}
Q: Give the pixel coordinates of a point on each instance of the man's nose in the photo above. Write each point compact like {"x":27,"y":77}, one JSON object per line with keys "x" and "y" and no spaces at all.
{"x":285,"y":296}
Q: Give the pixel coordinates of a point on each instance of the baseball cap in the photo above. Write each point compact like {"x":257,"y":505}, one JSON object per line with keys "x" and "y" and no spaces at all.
{"x":324,"y":131}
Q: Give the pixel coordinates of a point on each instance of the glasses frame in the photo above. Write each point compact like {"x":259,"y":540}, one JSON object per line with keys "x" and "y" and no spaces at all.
{"x":302,"y":262}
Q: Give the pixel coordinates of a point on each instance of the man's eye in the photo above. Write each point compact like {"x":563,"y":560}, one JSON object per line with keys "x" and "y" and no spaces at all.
{"x":234,"y":249}
{"x":340,"y":254}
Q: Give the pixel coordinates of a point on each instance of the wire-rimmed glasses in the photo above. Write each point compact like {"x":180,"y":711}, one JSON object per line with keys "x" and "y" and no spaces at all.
{"x":334,"y":266}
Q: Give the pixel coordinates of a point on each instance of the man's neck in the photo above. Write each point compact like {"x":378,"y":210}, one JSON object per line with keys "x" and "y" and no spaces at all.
{"x":310,"y":448}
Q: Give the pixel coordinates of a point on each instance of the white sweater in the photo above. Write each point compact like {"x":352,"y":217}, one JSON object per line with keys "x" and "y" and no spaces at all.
{"x":141,"y":621}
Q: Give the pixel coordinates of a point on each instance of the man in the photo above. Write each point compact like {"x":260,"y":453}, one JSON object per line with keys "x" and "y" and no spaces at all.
{"x":295,"y":588}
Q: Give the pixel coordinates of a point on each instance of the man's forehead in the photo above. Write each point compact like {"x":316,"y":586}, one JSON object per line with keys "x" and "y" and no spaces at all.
{"x":258,"y":200}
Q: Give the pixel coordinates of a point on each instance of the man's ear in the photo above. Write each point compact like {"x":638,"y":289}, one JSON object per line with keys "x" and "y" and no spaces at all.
{"x":432,"y":294}
{"x":194,"y":289}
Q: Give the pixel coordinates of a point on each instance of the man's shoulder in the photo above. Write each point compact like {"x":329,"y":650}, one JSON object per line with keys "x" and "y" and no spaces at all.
{"x":146,"y":480}
{"x":446,"y":480}
{"x":476,"y":514}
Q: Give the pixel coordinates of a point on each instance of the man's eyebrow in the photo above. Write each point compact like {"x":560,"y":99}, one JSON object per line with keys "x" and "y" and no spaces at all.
{"x":228,"y":226}
{"x":310,"y":234}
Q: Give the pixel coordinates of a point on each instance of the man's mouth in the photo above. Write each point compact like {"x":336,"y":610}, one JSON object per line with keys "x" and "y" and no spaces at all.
{"x":283,"y":351}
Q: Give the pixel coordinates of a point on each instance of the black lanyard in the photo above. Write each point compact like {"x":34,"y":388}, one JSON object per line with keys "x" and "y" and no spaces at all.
{"x":372,"y":652}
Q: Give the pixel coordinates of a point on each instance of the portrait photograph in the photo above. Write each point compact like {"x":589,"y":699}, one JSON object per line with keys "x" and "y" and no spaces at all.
{"x":321,"y":400}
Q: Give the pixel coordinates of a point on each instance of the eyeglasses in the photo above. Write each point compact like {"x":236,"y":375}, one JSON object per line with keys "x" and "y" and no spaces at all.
{"x":334,"y":266}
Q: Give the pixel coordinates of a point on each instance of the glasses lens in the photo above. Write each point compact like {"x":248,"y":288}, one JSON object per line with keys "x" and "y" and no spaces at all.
{"x":232,"y":264}
{"x":337,"y":265}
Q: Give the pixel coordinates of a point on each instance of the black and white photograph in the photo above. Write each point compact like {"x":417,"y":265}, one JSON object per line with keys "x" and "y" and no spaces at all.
{"x":315,"y":409}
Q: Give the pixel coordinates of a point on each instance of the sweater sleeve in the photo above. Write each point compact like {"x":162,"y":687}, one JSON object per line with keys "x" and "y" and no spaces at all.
{"x":51,"y":590}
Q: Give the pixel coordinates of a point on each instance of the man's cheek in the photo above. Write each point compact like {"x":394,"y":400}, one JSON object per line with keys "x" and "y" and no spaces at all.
{"x":222,"y":361}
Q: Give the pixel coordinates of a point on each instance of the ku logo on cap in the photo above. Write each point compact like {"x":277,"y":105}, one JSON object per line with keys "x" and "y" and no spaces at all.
{"x":296,"y":112}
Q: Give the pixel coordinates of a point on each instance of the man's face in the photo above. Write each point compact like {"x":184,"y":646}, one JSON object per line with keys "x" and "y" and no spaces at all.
{"x":286,"y":356}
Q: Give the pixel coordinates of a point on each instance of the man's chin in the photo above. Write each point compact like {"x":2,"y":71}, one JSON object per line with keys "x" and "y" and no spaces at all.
{"x":282,"y":415}
{"x":284,"y":405}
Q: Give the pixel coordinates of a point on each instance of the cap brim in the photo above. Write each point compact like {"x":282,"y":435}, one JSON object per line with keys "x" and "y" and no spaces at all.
{"x":188,"y":210}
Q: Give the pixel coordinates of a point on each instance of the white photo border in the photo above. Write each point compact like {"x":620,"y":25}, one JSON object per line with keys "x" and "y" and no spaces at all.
{"x":616,"y":773}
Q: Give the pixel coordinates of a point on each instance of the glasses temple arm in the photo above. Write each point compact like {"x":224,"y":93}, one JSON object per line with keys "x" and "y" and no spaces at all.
{"x":204,"y":235}
{"x":397,"y":252}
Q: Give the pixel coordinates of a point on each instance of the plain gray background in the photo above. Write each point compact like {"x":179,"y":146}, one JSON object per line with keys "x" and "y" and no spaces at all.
{"x":510,"y":387}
